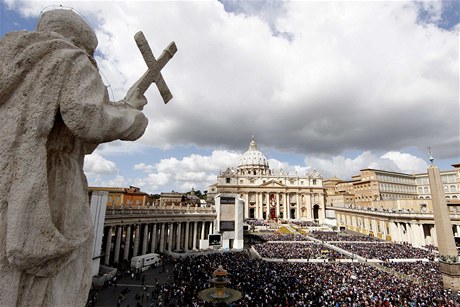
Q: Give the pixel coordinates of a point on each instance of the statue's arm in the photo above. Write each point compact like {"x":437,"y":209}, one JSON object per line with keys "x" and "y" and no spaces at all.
{"x":88,"y":113}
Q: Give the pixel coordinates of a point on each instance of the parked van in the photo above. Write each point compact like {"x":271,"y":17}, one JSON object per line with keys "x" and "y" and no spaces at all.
{"x":146,"y":261}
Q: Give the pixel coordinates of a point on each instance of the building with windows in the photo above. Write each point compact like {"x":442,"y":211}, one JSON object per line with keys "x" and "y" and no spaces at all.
{"x":124,"y":197}
{"x":392,"y":206}
{"x":271,"y":195}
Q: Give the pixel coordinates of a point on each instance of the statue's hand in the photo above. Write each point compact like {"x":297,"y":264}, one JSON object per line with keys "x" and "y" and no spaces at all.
{"x":135,"y":99}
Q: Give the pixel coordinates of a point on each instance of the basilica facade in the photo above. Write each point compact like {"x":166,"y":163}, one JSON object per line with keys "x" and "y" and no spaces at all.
{"x":271,"y":195}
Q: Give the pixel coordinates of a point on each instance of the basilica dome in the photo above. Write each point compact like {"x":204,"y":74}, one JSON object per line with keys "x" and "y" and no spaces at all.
{"x":253,"y":161}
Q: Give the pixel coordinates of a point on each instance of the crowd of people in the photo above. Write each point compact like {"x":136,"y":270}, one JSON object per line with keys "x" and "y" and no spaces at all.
{"x":333,"y":236}
{"x":330,"y":283}
{"x":283,"y":237}
{"x":426,"y":272}
{"x":297,"y":251}
{"x":256,"y":222}
{"x":304,"y":224}
{"x":264,"y":283}
{"x":384,"y":251}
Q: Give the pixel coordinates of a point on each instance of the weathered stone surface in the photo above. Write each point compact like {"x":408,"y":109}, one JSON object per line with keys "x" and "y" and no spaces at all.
{"x":55,"y":109}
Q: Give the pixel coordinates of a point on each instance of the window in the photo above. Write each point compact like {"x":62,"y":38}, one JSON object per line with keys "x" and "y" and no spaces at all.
{"x":227,"y":180}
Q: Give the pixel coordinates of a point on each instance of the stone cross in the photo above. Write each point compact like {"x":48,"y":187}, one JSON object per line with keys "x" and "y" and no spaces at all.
{"x":153,"y":73}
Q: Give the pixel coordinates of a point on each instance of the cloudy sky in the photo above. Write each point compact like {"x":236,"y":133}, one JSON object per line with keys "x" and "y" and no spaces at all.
{"x":332,"y":86}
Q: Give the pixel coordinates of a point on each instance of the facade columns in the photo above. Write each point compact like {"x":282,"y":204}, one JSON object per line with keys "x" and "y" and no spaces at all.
{"x":261,"y":206}
{"x":309,"y":206}
{"x":178,"y":236}
{"x":195,"y":226}
{"x":162,"y":238}
{"x":116,"y":256}
{"x":202,"y":230}
{"x":137,"y":238}
{"x":145,"y":239}
{"x":421,"y":235}
{"x":268,"y":215}
{"x":246,"y":205}
{"x":297,"y":209}
{"x":210,"y":228}
{"x":286,"y":206}
{"x":277,"y":212}
{"x":170,"y":236}
{"x":127,"y":242}
{"x":108,"y":243}
{"x":187,"y":240}
{"x":153,"y":242}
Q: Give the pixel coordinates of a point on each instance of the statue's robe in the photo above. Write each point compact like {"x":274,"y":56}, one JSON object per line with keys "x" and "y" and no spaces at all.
{"x":54,"y":109}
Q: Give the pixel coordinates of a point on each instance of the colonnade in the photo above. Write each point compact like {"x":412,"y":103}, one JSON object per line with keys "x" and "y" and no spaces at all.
{"x":122,"y":242}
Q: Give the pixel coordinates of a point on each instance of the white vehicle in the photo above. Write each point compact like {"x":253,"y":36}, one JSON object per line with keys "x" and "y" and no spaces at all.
{"x":143,"y":262}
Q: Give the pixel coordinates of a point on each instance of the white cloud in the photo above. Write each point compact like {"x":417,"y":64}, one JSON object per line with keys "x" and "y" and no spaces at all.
{"x":194,"y":171}
{"x":147,"y":168}
{"x":354,"y":76}
{"x":407,"y":163}
{"x":95,"y":164}
{"x":350,"y":76}
{"x":345,"y":168}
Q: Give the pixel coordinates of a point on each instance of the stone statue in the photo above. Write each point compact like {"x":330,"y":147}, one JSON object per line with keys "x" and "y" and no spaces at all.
{"x":55,"y":109}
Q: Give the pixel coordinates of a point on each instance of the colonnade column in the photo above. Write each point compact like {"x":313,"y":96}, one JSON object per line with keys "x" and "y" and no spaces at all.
{"x":145,"y":239}
{"x":137,"y":238}
{"x":127,"y":242}
{"x":195,"y":226}
{"x":178,"y":235}
{"x":170,"y":236}
{"x":187,"y":226}
{"x":162,"y":238}
{"x":153,"y":242}
{"x":202,"y":230}
{"x":210,"y":228}
{"x":108,"y":243}
{"x":116,"y":256}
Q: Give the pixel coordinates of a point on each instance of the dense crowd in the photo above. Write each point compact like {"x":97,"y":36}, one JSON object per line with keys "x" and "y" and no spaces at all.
{"x":297,"y":284}
{"x":296,"y":251}
{"x":426,"y":272}
{"x":385,"y":251}
{"x":256,"y":222}
{"x":305,"y":223}
{"x":283,"y":237}
{"x":331,"y":236}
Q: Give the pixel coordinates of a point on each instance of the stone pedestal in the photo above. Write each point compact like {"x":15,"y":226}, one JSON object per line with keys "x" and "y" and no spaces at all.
{"x":450,"y":275}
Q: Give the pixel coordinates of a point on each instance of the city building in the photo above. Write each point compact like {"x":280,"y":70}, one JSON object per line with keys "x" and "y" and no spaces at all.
{"x":180,"y":199}
{"x":392,"y":206}
{"x":125,"y":197}
{"x":271,"y":195}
